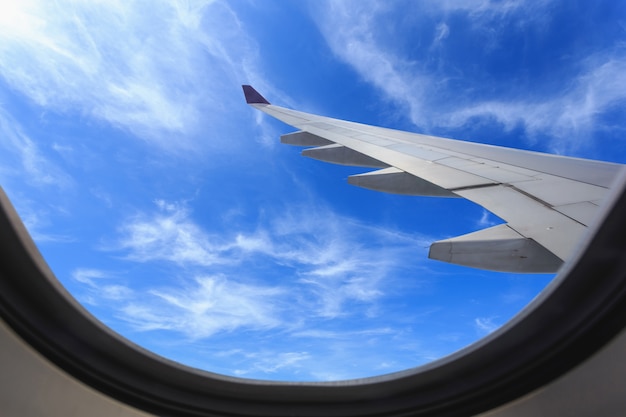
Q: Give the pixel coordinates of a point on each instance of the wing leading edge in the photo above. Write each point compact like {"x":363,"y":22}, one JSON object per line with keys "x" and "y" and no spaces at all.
{"x":546,"y":200}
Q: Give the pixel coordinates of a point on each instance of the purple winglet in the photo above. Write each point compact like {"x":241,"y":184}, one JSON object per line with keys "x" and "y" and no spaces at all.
{"x":253,"y":96}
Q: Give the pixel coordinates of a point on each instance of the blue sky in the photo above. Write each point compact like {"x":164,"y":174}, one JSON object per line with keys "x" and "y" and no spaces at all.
{"x":166,"y":206}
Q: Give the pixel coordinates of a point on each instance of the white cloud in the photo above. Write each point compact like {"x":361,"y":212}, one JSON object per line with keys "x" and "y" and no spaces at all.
{"x":314,"y":265}
{"x":567,"y":117}
{"x":350,"y":31}
{"x":442,"y":32}
{"x":355,"y":32}
{"x":22,"y":157}
{"x":88,"y":275}
{"x":326,"y":277}
{"x":323,"y":252}
{"x":211,"y":304}
{"x":485,"y":325}
{"x":197,"y":309}
{"x":328,"y":255}
{"x":346,"y":335}
{"x":24,"y":170}
{"x":169,"y":235}
{"x":271,"y":362}
{"x":491,"y":8}
{"x":486,"y":219}
{"x":97,"y":287}
{"x":151,"y":68}
{"x":116,"y":292}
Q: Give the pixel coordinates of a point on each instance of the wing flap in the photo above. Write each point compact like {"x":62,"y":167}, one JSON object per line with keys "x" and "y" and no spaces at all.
{"x":583,"y":212}
{"x":395,"y":181}
{"x":339,"y":154}
{"x":501,"y":173}
{"x":304,"y":139}
{"x":556,"y":191}
{"x":497,"y":248}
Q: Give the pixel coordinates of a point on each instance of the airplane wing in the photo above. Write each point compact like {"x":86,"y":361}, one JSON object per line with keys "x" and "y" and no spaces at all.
{"x":547,"y":201}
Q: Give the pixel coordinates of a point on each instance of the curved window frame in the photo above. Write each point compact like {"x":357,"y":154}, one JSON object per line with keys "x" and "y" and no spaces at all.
{"x":582,"y":309}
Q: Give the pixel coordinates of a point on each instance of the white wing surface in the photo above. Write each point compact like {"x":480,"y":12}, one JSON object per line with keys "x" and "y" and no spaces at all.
{"x":546,"y":200}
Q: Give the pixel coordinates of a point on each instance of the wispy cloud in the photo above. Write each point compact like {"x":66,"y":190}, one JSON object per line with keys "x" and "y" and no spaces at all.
{"x":209,"y":305}
{"x":297,"y":278}
{"x":170,"y":235}
{"x":349,"y":334}
{"x":486,"y":219}
{"x":433,"y":94}
{"x":301,"y":276}
{"x":300,"y":354}
{"x":442,"y":32}
{"x":100,"y":286}
{"x":25,"y":170}
{"x":350,"y":31}
{"x":489,"y":8}
{"x":148,"y":68}
{"x":569,"y":116}
{"x":485,"y":325}
{"x":36,"y":216}
{"x":200,"y":307}
{"x":322,"y":252}
{"x":271,"y":362}
{"x":22,"y":157}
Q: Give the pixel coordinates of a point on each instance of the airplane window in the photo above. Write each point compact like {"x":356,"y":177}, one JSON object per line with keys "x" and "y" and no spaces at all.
{"x":168,"y":209}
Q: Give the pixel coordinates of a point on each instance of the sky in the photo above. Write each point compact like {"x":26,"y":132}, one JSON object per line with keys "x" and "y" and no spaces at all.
{"x":167,"y":207}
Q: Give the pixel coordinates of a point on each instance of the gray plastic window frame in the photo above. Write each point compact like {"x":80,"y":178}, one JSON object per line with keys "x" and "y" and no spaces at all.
{"x":582,"y":309}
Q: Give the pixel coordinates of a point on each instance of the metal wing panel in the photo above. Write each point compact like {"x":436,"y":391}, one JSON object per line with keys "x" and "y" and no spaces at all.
{"x":500,"y":173}
{"x":556,"y":232}
{"x":548,"y":199}
{"x":446,"y":177}
{"x":556,"y":191}
{"x":581,"y":170}
{"x":583,"y":212}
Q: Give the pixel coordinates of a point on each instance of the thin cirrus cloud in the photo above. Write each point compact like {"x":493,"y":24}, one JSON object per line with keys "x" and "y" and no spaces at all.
{"x":22,"y":157}
{"x":169,"y":235}
{"x":311,"y":263}
{"x":270,"y":362}
{"x":595,"y":82}
{"x":488,"y":9}
{"x":302,"y":354}
{"x":485,"y":325}
{"x":197,"y":309}
{"x":566,"y":117}
{"x":209,"y":305}
{"x":326,"y":242}
{"x":100,"y":287}
{"x":24,"y":166}
{"x":145,"y":67}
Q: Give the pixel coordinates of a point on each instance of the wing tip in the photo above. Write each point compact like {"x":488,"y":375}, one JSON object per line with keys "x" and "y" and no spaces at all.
{"x":253,"y":96}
